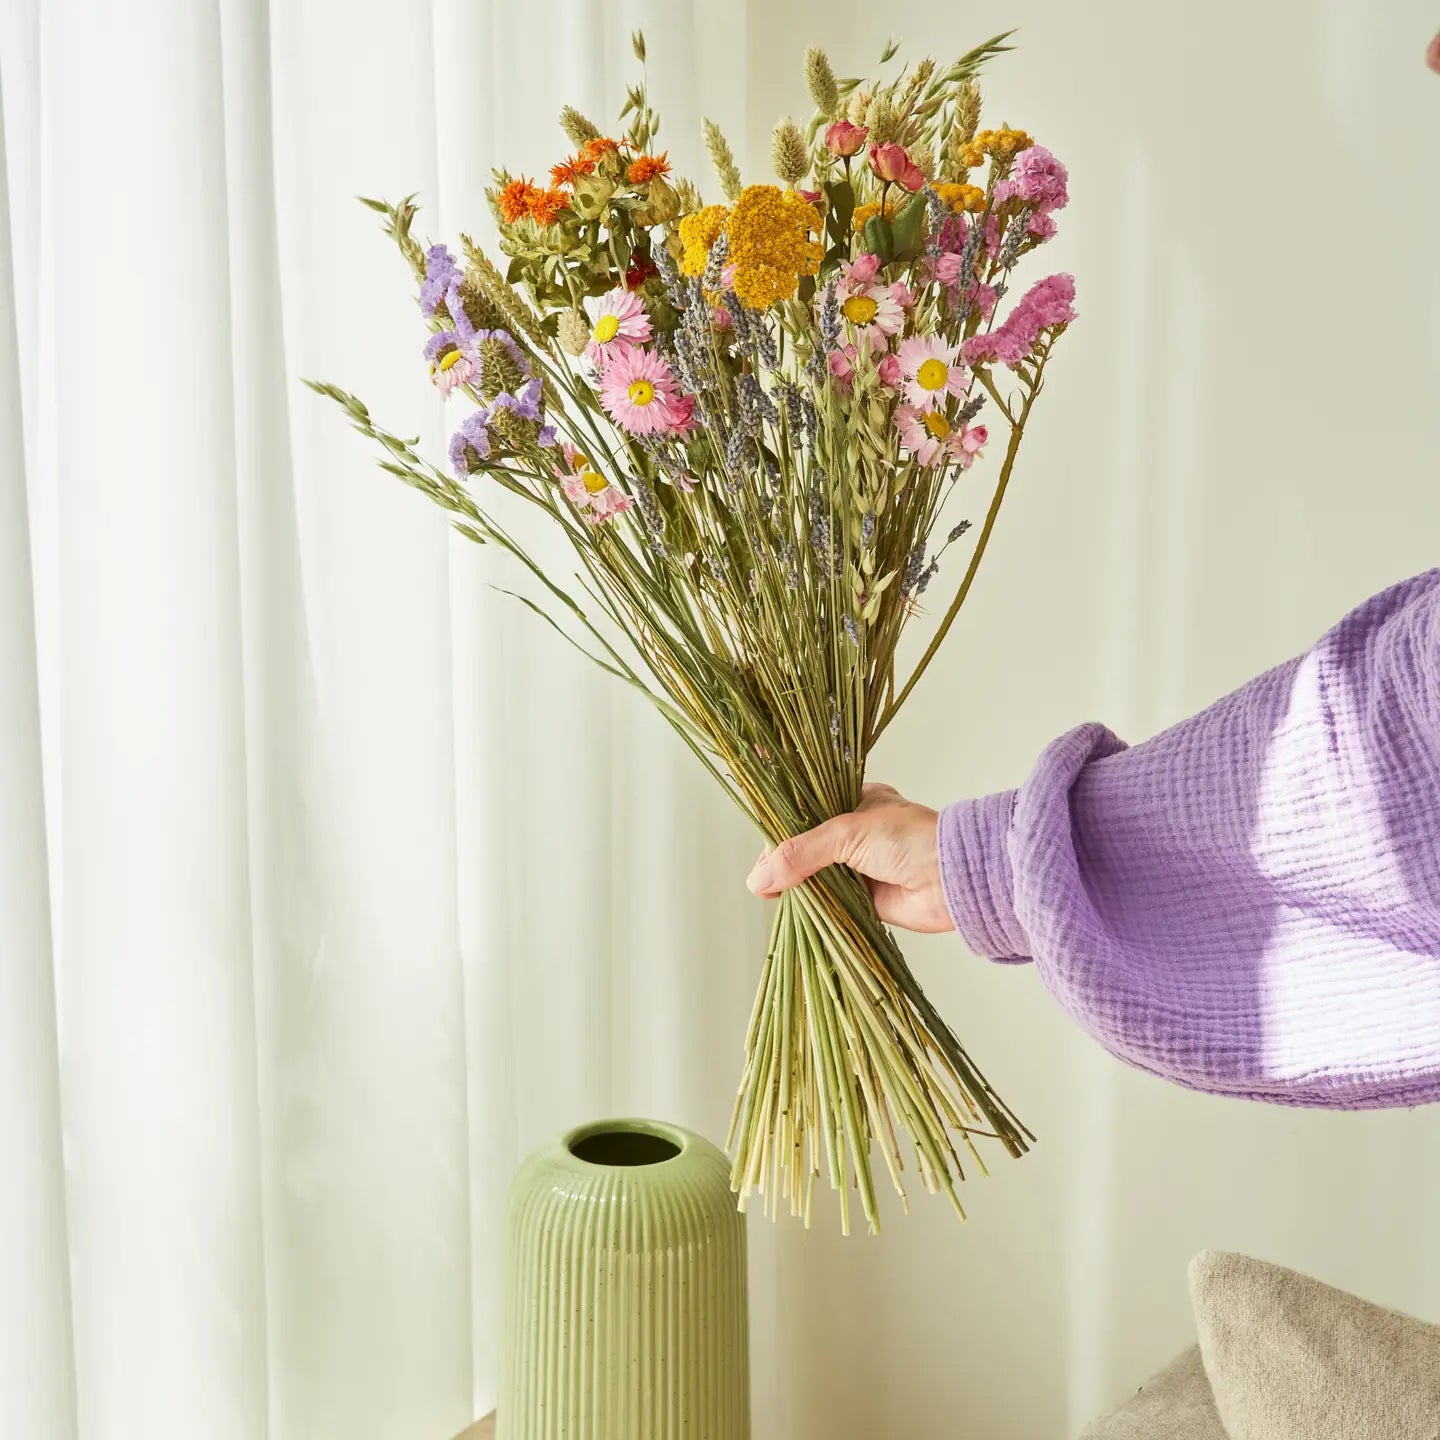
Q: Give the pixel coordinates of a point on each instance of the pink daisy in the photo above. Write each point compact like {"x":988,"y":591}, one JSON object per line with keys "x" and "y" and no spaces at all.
{"x":638,"y":392}
{"x":620,"y":322}
{"x":873,"y":312}
{"x":930,"y":370}
{"x":932,"y":440}
{"x":587,"y":489}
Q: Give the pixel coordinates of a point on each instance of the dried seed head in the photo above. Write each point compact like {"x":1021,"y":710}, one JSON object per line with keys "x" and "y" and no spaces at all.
{"x":576,"y":127}
{"x":883,"y":120}
{"x":788,"y":153}
{"x":498,"y":369}
{"x":723,"y":159}
{"x":820,"y":82}
{"x":574,"y":332}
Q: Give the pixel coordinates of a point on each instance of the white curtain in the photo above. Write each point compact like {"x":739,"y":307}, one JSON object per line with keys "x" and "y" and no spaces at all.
{"x":330,"y":883}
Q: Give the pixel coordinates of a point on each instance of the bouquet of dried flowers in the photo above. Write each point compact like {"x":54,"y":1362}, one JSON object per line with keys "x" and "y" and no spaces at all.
{"x":748,"y":419}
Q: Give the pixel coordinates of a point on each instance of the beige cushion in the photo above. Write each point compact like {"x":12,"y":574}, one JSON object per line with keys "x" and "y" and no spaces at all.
{"x":1173,"y":1405}
{"x":1292,"y":1359}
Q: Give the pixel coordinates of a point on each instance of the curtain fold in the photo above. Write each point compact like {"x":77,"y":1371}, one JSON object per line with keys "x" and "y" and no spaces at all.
{"x":362,"y":886}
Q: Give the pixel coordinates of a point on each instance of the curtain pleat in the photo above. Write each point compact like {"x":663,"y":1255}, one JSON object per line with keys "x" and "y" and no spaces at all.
{"x":37,"y":1381}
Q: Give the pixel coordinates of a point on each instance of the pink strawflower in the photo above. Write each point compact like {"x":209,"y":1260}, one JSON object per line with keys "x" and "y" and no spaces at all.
{"x":843,"y":138}
{"x":639,"y":393}
{"x":1046,"y":304}
{"x":902,"y":295}
{"x":620,"y":323}
{"x":1040,"y":179}
{"x":929,"y":436}
{"x":587,"y":489}
{"x":930,"y":371}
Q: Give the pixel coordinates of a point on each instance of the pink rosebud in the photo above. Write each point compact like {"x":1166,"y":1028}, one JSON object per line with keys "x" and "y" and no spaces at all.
{"x":911,"y":178}
{"x":890,"y":161}
{"x":902,"y":295}
{"x":813,"y":196}
{"x":720,"y":318}
{"x":1432,"y":55}
{"x":843,"y":138}
{"x":863,"y":270}
{"x":889,"y":371}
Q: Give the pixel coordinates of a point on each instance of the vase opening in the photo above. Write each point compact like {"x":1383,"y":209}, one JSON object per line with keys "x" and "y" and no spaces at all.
{"x":623,"y":1147}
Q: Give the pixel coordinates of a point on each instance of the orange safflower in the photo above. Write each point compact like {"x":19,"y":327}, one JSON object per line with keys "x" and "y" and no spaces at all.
{"x":647,"y":167}
{"x":600,"y":146}
{"x":516,"y":199}
{"x":546,"y":205}
{"x":570,"y":170}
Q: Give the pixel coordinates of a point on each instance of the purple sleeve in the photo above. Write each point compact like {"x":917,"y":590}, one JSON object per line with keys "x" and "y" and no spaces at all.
{"x":1249,"y":903}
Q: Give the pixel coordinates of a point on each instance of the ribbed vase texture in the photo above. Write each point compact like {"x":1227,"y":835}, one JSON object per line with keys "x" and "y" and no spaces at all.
{"x":624,"y":1314}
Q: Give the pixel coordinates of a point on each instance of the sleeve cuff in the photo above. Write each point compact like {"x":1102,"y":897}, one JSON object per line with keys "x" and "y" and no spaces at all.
{"x":973,"y":840}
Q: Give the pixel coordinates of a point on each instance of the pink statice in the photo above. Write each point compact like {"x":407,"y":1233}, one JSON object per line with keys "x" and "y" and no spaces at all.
{"x":1039,"y":179}
{"x":1042,"y":225}
{"x":639,"y":392}
{"x":930,"y":370}
{"x":929,"y":436}
{"x":587,"y":489}
{"x":946,"y":272}
{"x":620,"y":323}
{"x":1044,"y":306}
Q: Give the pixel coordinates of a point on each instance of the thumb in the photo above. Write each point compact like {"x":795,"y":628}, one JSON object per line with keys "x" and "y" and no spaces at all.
{"x":799,"y":857}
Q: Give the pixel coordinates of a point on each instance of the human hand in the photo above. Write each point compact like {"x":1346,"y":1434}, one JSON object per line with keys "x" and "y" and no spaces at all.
{"x":888,"y":840}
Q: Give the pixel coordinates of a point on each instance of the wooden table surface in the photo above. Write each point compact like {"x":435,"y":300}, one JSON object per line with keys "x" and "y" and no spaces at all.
{"x":480,"y":1430}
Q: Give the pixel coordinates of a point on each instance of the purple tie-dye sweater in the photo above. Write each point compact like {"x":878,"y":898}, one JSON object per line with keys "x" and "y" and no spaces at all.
{"x":1249,"y":903}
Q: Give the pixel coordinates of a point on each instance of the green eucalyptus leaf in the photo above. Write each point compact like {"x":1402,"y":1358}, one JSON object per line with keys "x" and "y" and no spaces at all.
{"x":908,"y":230}
{"x":880,"y":238}
{"x":841,"y":210}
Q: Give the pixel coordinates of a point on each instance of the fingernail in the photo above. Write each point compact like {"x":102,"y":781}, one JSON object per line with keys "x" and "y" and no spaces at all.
{"x":761,"y":877}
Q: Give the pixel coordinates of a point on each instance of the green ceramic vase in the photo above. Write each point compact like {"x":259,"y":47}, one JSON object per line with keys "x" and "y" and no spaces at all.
{"x":624,"y":1311}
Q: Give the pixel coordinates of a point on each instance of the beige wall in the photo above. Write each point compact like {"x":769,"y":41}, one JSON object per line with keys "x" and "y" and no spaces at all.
{"x":1240,"y":439}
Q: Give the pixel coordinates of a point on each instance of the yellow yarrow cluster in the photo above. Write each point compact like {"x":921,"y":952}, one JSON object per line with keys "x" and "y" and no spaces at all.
{"x":1004,"y":144}
{"x":770,"y":245}
{"x":868,"y":212}
{"x":698,"y":232}
{"x":961,"y":198}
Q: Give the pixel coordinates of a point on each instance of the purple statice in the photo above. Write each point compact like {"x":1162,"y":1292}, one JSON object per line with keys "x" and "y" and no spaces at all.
{"x":505,"y":338}
{"x":525,"y":404}
{"x":470,"y":445}
{"x":441,"y":272}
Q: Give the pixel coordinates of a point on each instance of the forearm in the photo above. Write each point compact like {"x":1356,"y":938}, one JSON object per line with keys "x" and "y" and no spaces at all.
{"x":1225,"y":903}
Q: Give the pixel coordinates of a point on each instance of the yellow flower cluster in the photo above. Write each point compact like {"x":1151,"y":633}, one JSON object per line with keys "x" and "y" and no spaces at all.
{"x":770,"y":245}
{"x":866,"y":212}
{"x":698,"y":232}
{"x":1004,"y":145}
{"x":961,"y":198}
